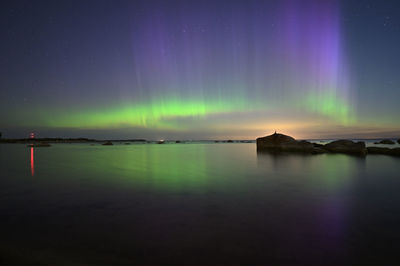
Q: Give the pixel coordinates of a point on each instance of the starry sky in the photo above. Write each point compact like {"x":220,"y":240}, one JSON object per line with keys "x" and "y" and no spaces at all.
{"x":200,"y":69}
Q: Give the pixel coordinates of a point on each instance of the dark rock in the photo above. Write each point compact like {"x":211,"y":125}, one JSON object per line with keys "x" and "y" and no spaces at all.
{"x":317,"y":145}
{"x":230,"y":141}
{"x":378,"y":150}
{"x":108,"y":143}
{"x":178,"y":141}
{"x":385,"y":151}
{"x":161,"y":142}
{"x":216,"y":141}
{"x":395,"y":152}
{"x":279,"y":142}
{"x":385,"y":141}
{"x":319,"y":150}
{"x":346,"y":146}
{"x":398,"y":141}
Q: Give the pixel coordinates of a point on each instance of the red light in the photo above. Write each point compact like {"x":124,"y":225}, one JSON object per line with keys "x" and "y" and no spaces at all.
{"x":32,"y":163}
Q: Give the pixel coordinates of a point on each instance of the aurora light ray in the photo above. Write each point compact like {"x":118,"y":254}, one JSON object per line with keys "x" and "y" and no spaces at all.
{"x":314,"y":49}
{"x":299,"y":59}
{"x":250,"y":65}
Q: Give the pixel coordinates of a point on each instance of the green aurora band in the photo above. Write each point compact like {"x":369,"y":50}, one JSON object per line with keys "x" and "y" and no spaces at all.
{"x":160,"y":114}
{"x":148,"y":115}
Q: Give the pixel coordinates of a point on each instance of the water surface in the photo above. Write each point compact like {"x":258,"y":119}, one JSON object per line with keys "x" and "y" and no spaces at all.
{"x":195,"y":204}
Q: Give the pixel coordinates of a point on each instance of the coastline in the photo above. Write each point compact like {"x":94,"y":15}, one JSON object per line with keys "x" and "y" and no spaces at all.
{"x":360,"y":147}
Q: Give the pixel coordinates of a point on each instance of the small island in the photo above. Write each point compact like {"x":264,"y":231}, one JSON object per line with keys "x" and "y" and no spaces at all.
{"x":283,"y":143}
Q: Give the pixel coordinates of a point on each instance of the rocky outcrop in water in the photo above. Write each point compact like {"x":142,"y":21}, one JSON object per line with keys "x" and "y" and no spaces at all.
{"x":346,"y":146}
{"x":283,"y":143}
{"x":386,"y":141}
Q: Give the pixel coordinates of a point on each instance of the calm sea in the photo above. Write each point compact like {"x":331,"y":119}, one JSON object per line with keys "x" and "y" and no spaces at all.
{"x":196,"y":204}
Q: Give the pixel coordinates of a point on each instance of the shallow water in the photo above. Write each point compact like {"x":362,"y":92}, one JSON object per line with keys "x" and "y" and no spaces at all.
{"x":195,"y":204}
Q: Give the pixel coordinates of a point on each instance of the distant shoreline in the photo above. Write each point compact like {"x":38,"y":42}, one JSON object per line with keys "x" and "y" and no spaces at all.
{"x":88,"y":140}
{"x":65,"y":140}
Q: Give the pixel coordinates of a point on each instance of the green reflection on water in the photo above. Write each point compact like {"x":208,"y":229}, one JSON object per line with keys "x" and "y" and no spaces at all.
{"x":196,"y":168}
{"x":163,"y":166}
{"x":169,"y":167}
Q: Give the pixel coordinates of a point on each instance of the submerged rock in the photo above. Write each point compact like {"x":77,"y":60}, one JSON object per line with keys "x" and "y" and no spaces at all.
{"x":108,"y":143}
{"x":280,"y":142}
{"x":378,"y":150}
{"x":386,"y":141}
{"x":385,"y":151}
{"x":346,"y":146}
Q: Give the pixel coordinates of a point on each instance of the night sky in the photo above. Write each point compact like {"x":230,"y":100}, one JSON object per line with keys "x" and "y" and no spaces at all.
{"x":200,"y":69}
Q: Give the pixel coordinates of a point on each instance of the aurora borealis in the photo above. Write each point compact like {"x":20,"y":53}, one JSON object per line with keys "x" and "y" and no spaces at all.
{"x":180,"y":69}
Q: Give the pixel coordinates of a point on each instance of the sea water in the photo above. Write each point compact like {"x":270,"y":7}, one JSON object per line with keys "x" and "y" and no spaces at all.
{"x":195,"y":204}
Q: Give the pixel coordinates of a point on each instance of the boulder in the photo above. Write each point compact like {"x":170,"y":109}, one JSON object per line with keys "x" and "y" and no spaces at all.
{"x":280,"y":142}
{"x":386,"y":141}
{"x":346,"y":146}
{"x":108,"y":143}
{"x":398,"y":141}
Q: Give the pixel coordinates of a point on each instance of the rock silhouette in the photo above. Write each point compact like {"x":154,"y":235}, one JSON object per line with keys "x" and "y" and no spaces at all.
{"x":346,"y":146}
{"x":280,"y":142}
{"x":385,"y":141}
